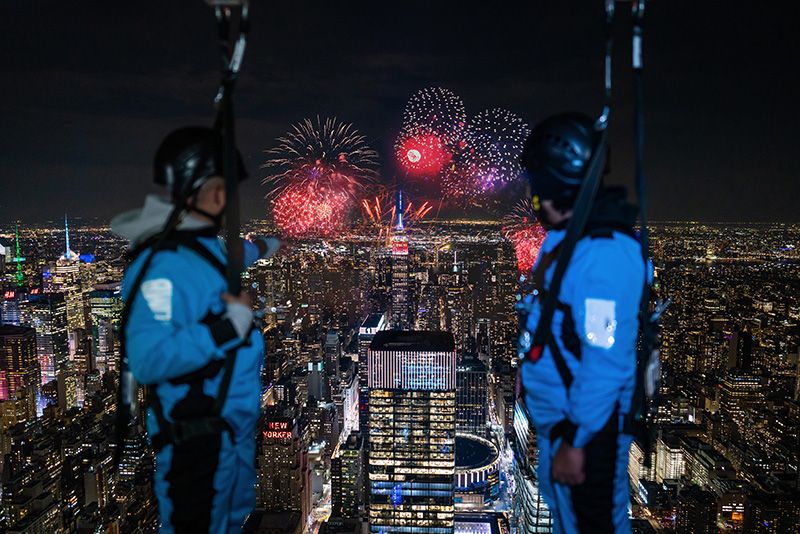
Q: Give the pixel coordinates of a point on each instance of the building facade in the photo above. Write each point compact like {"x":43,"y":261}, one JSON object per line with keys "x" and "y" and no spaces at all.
{"x":412,"y":401}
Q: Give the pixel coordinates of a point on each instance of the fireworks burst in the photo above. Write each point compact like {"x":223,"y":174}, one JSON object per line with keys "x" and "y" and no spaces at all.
{"x":380,"y":213}
{"x":326,"y":156}
{"x":525,"y":233}
{"x":433,"y":122}
{"x":490,"y":159}
{"x":310,"y":212}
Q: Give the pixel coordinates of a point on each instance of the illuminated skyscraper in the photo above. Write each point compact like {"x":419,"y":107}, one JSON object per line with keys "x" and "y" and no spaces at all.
{"x":347,"y":478}
{"x":530,"y":511}
{"x":19,"y":277}
{"x":472,"y":397}
{"x":374,"y":323}
{"x":401,"y":297}
{"x":284,"y":482}
{"x":412,"y":408}
{"x":738,"y":394}
{"x":19,"y":368}
{"x":48,"y":315}
{"x":105,"y":308}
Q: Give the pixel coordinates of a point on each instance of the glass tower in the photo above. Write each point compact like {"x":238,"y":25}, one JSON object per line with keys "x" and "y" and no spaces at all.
{"x":412,"y":414}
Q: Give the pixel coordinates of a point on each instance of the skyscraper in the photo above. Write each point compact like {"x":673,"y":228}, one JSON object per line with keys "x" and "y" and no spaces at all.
{"x":48,"y":315}
{"x":412,"y":405}
{"x":19,"y":276}
{"x":347,"y":475}
{"x":374,"y":323}
{"x":105,"y":308}
{"x":740,"y":351}
{"x":284,"y":482}
{"x":19,"y":368}
{"x":472,"y":396}
{"x":530,"y":511}
{"x":401,"y":297}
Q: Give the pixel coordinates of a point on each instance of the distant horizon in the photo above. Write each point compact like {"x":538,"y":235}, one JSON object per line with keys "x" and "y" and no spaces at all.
{"x":82,"y":221}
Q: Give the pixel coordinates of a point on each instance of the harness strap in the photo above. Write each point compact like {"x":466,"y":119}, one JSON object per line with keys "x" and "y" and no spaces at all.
{"x":181,"y":431}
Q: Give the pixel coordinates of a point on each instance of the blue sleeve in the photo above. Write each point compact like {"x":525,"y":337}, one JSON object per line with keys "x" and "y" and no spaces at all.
{"x":605,"y":301}
{"x":162,"y":339}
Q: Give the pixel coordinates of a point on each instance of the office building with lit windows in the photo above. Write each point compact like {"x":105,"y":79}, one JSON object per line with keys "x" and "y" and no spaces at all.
{"x":284,"y":479}
{"x":20,"y":376}
{"x":531,"y":515}
{"x":374,"y":323}
{"x":412,"y":419}
{"x":347,"y":472}
{"x":401,"y":297}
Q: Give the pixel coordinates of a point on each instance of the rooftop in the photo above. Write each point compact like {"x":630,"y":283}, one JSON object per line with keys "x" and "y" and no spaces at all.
{"x":414,"y":340}
{"x":472,"y":453}
{"x":11,"y":330}
{"x":372,"y":320}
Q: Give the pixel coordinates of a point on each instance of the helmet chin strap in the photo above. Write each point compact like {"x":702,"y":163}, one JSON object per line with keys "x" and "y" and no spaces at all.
{"x":216,"y":219}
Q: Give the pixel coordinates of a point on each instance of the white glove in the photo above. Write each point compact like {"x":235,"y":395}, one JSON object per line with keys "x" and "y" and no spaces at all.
{"x":241,"y":317}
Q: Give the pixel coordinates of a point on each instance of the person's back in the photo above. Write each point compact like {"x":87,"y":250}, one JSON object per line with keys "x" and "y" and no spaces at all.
{"x":583,"y":453}
{"x":196,"y":349}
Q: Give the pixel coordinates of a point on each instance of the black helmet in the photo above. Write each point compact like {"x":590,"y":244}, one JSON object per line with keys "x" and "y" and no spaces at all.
{"x":557,"y":154}
{"x":188,"y":157}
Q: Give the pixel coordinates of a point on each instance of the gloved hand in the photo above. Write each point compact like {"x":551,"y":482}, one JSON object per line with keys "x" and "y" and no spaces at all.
{"x":239,"y":313}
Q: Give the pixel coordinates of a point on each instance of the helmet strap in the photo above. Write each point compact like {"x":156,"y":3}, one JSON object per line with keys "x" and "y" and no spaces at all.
{"x":216,"y":219}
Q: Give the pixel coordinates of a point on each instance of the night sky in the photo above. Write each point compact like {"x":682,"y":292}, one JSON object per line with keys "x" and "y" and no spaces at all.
{"x":88,"y":89}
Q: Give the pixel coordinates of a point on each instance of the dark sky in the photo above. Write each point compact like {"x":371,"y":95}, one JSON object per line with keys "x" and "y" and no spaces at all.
{"x":89,"y":88}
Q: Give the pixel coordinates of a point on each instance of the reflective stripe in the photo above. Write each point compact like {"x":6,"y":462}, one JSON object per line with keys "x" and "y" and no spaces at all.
{"x":600,"y":324}
{"x":158,"y":294}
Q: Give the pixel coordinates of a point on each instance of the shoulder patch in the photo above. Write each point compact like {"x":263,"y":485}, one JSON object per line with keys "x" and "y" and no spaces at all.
{"x":158,"y":294}
{"x":600,"y":324}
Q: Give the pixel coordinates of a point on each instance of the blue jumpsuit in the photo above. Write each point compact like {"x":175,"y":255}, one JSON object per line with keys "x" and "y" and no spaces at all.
{"x":176,"y":342}
{"x":596,"y":327}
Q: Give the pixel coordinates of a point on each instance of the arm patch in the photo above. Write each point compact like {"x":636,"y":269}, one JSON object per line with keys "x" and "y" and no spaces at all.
{"x":600,"y":324}
{"x":158,"y":294}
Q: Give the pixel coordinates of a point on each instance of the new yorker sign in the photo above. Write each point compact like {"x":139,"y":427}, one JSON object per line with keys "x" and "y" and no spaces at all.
{"x":280,"y":429}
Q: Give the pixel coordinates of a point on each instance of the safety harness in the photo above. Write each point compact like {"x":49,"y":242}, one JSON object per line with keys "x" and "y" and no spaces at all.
{"x":233,"y":26}
{"x":532,"y":345}
{"x":183,"y":430}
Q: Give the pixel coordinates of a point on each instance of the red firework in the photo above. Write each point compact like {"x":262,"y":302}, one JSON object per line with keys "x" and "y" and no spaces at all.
{"x":527,"y":242}
{"x":525,"y":233}
{"x":310,"y":212}
{"x":422,"y":155}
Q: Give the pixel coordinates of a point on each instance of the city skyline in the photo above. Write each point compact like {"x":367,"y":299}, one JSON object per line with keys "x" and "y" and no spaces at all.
{"x":354,"y":345}
{"x":710,"y":128}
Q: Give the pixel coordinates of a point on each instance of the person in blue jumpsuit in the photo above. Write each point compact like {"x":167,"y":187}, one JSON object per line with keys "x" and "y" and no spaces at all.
{"x":192,"y":344}
{"x":580,"y":425}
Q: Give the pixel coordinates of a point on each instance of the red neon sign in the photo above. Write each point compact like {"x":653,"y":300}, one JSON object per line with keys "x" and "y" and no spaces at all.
{"x":278,"y":430}
{"x":275,"y":434}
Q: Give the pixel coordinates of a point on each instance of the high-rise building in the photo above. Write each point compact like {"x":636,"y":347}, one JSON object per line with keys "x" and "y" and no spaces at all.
{"x":472,"y":395}
{"x":105,"y":309}
{"x":284,"y":478}
{"x":412,"y":400}
{"x":347,"y":477}
{"x":530,"y":511}
{"x":20,"y":377}
{"x":740,"y":351}
{"x":19,"y":276}
{"x":670,"y":463}
{"x":697,"y":511}
{"x":738,"y":394}
{"x":401,"y":296}
{"x":48,"y":315}
{"x":374,"y":323}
